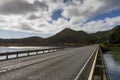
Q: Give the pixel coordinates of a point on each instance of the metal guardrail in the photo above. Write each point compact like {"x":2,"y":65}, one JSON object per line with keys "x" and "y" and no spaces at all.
{"x":105,"y":66}
{"x":19,"y":54}
{"x":85,"y":71}
{"x":91,"y":65}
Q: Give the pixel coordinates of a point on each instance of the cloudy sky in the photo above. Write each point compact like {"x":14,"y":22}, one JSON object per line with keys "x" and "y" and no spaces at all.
{"x":23,"y":18}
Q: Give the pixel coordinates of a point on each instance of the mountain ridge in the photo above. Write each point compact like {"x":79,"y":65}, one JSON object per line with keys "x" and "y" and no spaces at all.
{"x":66,"y":36}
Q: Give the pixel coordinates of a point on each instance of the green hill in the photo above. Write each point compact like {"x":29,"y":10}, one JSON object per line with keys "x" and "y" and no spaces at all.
{"x":22,"y":41}
{"x":70,"y":36}
{"x":102,"y":36}
{"x":115,"y":36}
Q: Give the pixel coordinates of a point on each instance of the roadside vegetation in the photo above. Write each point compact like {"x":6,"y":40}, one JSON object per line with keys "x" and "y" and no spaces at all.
{"x":115,"y":41}
{"x":113,"y":44}
{"x":116,"y":53}
{"x":105,"y":47}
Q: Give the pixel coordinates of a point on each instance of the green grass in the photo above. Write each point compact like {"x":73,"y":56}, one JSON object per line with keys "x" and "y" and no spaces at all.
{"x":116,"y":53}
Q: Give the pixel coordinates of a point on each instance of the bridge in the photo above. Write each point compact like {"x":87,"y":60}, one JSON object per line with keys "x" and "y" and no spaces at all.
{"x":81,"y":63}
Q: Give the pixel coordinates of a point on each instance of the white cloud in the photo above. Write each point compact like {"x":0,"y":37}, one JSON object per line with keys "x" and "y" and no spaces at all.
{"x":20,"y":6}
{"x":35,"y":15}
{"x":101,"y":25}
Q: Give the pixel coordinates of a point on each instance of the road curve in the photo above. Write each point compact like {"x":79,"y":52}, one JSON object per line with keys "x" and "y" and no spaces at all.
{"x":62,"y":65}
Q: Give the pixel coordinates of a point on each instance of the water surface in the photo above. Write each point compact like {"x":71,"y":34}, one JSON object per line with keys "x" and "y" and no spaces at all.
{"x":13,"y":49}
{"x":113,"y":67}
{"x":23,"y":48}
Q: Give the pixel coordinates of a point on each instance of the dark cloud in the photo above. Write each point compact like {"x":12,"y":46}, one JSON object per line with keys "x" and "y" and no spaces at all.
{"x":25,"y":26}
{"x":20,"y":7}
{"x":33,"y":17}
{"x":41,"y":5}
{"x":66,"y":1}
{"x":111,"y":4}
{"x":42,"y":25}
{"x":105,"y":6}
{"x":16,"y":7}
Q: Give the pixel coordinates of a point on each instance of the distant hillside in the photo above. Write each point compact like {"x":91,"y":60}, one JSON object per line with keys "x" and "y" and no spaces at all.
{"x":112,"y":36}
{"x":102,"y":36}
{"x":115,"y":36}
{"x":22,"y":41}
{"x":70,"y":36}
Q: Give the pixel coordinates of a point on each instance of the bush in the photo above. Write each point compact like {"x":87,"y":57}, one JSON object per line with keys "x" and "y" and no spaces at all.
{"x":105,"y":47}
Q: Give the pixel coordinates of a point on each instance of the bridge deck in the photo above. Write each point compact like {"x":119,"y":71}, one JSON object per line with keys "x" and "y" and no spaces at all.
{"x":61,"y":65}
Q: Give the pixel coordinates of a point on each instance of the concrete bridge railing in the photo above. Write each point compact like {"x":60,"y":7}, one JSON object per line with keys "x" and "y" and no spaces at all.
{"x":94,"y":68}
{"x":85,"y":72}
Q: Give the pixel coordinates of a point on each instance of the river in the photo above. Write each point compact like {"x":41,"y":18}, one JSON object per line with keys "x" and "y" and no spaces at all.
{"x":13,"y":48}
{"x":113,"y":67}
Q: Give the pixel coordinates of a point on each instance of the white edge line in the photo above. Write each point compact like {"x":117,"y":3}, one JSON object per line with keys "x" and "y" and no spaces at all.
{"x":93,"y":66}
{"x":76,"y":78}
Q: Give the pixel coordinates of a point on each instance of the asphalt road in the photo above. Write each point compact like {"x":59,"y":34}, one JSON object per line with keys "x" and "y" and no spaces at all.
{"x":62,"y":65}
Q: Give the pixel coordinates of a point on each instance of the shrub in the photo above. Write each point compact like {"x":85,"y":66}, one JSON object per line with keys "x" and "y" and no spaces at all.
{"x":105,"y":47}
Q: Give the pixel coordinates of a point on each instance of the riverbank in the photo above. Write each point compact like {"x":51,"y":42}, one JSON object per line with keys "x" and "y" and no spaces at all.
{"x":112,"y":66}
{"x":116,"y":53}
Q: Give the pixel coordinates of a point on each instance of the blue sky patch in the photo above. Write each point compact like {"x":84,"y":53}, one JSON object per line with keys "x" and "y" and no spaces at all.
{"x":111,"y":14}
{"x":17,"y":34}
{"x":57,"y":14}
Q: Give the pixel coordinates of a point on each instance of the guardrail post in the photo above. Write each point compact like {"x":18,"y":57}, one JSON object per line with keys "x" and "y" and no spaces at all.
{"x":28,"y":53}
{"x":17,"y":55}
{"x":56,"y":49}
{"x":43,"y":52}
{"x":37,"y":52}
{"x":49,"y":50}
{"x":52,"y":50}
{"x":7,"y":57}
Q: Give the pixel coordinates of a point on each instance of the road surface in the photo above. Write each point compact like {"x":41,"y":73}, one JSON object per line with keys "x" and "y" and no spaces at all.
{"x":61,"y":65}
